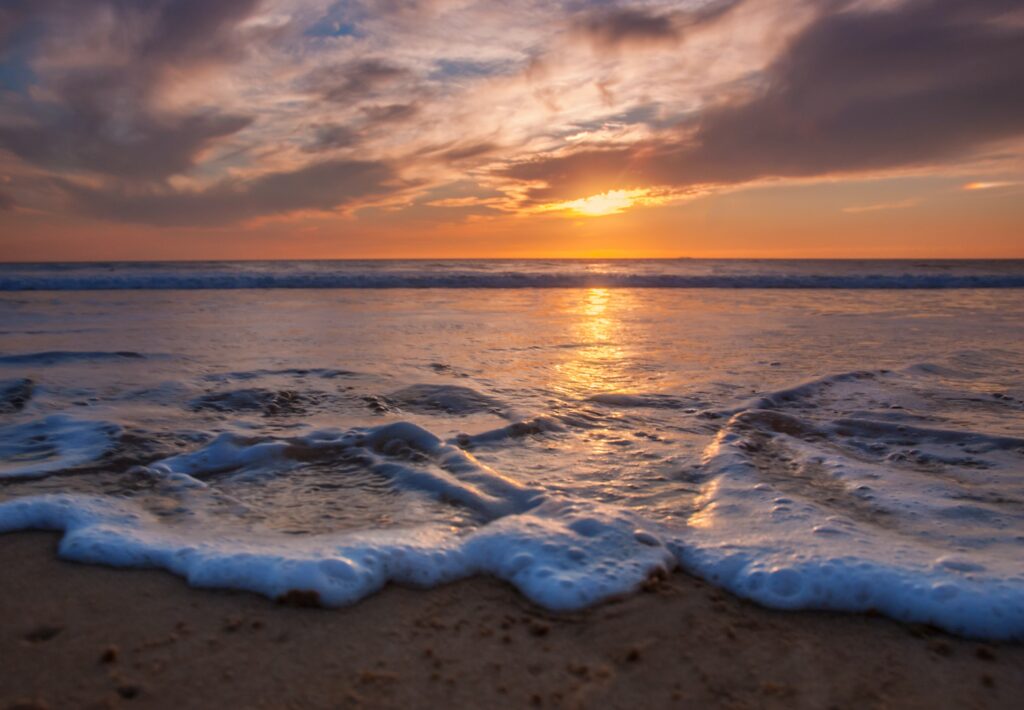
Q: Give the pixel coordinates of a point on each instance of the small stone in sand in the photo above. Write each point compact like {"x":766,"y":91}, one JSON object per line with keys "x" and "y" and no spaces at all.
{"x":985,"y":653}
{"x":300,"y":598}
{"x":109,"y":655}
{"x":43,"y":633}
{"x":538,"y":628}
{"x":128,"y":691}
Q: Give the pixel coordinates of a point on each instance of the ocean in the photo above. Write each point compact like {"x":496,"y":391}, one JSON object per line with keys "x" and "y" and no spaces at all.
{"x":844,"y":435}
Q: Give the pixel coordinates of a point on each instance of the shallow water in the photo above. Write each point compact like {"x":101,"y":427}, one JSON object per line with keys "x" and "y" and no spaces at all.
{"x":829,"y":448}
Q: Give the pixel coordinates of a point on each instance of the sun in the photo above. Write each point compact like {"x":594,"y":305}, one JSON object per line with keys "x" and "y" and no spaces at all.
{"x":611,"y":202}
{"x":605,"y":203}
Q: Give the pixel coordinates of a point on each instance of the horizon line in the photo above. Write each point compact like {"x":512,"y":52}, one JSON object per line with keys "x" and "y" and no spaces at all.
{"x":513,"y":258}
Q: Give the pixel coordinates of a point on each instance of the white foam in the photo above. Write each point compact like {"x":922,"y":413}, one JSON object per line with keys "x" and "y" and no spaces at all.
{"x":536,"y":426}
{"x":44,"y":446}
{"x":407,"y":454}
{"x":825,"y":530}
{"x":560,"y":554}
{"x":227,"y":452}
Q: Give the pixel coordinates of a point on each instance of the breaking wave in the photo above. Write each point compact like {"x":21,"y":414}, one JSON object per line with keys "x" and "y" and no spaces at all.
{"x":505,"y":275}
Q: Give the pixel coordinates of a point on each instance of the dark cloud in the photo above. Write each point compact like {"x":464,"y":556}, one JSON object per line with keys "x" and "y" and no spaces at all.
{"x":391,"y":113}
{"x":145,"y":146}
{"x":321,"y":186}
{"x":354,"y":81}
{"x":155,"y":31}
{"x":100,"y":114}
{"x":7,"y":202}
{"x":12,"y":16}
{"x":193,"y":30}
{"x":857,"y":90}
{"x":612,"y":27}
{"x":617,"y":26}
{"x":330,"y":136}
{"x":458,"y":151}
{"x":468,"y":151}
{"x":104,"y":116}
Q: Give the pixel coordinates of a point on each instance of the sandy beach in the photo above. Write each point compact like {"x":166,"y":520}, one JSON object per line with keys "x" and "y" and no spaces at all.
{"x":84,"y":636}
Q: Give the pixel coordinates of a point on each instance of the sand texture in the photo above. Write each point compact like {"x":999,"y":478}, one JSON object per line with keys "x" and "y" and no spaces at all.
{"x":79,"y":636}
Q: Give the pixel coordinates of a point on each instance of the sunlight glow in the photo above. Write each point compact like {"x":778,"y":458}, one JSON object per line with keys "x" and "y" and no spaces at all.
{"x":606,"y":203}
{"x":987,"y":185}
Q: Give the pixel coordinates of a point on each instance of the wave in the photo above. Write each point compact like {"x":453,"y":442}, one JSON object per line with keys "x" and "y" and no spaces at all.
{"x":450,"y":399}
{"x":41,"y":447}
{"x":852,"y":515}
{"x":858,"y":491}
{"x":15,"y":394}
{"x":564,"y":554}
{"x":890,"y":490}
{"x":348,"y":278}
{"x":59,"y":357}
{"x":296,"y":372}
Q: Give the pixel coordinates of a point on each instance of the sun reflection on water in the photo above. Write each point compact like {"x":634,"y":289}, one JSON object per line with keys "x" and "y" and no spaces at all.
{"x":599,"y":360}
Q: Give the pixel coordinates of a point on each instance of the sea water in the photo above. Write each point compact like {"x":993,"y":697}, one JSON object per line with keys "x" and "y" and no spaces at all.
{"x":809,"y":435}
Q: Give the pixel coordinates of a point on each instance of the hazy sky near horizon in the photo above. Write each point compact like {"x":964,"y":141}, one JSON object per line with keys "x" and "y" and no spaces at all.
{"x":150,"y":129}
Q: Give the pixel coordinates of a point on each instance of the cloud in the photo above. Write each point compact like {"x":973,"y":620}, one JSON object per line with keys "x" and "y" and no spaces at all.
{"x":612,"y":27}
{"x":391,"y":113}
{"x":331,"y":136}
{"x":145,"y":146}
{"x":469,"y":151}
{"x":857,"y":90}
{"x":356,"y":80}
{"x":321,"y":186}
{"x":989,"y":185}
{"x":101,"y":68}
{"x":881,"y":206}
{"x":458,"y":202}
{"x":199,"y":112}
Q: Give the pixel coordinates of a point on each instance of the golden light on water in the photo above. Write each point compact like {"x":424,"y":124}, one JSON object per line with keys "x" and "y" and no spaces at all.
{"x":596,"y":364}
{"x":596,"y":302}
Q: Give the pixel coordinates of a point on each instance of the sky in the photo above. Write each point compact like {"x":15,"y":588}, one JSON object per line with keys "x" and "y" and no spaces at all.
{"x":252,"y":129}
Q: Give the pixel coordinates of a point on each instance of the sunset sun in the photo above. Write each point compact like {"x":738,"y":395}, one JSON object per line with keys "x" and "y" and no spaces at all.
{"x":611,"y":202}
{"x":605,"y":203}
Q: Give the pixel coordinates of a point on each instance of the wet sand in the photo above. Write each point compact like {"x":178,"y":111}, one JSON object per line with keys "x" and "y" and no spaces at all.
{"x":80,"y":636}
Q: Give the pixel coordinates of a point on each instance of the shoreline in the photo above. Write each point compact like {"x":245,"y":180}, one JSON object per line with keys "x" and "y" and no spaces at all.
{"x":88,"y":636}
